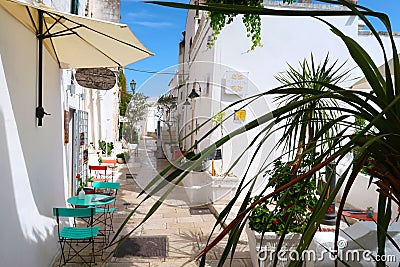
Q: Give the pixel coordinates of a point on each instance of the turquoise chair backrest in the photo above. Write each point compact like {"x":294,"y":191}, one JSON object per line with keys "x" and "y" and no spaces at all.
{"x":74,"y":212}
{"x":106,"y":185}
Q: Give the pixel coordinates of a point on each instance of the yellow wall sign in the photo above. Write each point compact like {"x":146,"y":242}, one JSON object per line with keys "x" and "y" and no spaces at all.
{"x":240,"y":115}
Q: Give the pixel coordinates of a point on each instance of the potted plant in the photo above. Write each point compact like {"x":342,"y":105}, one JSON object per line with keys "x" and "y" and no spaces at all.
{"x":286,"y":212}
{"x":106,"y":147}
{"x":82,"y":189}
{"x":370,"y":212}
{"x":81,"y":183}
{"x":99,"y":158}
{"x":121,"y":158}
{"x":218,"y":119}
{"x":84,"y":186}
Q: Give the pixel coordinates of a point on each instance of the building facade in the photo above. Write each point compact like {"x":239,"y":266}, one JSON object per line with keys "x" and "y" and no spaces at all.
{"x":39,"y":163}
{"x":227,"y":72}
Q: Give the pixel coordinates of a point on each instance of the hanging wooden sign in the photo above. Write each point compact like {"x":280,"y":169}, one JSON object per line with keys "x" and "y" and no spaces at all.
{"x":98,"y":78}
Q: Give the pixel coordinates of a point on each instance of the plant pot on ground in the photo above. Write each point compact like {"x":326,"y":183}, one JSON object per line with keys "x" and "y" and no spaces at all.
{"x":287,"y":212}
{"x":263,"y":246}
{"x":121,"y":158}
{"x":106,"y":147}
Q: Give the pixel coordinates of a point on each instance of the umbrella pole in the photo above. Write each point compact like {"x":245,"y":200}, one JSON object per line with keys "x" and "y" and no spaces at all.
{"x":39,"y":109}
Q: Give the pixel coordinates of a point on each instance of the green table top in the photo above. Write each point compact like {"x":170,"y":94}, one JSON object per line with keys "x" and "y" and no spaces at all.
{"x":90,"y":200}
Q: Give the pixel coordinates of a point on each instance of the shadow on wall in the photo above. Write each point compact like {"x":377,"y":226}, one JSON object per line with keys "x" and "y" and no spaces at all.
{"x":27,"y":225}
{"x":23,"y":229}
{"x":363,"y":194}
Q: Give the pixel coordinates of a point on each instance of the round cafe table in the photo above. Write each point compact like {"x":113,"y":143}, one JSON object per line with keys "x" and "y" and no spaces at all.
{"x":90,"y":200}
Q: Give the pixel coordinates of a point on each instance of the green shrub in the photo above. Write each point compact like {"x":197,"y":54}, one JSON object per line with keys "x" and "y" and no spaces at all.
{"x":106,"y":147}
{"x":293,"y":205}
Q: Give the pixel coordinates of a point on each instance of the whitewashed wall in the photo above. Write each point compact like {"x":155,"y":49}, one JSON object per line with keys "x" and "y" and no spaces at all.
{"x":32,"y":159}
{"x":105,"y":109}
{"x":105,"y":9}
{"x":285,"y":41}
{"x":150,"y":123}
{"x":106,"y":114}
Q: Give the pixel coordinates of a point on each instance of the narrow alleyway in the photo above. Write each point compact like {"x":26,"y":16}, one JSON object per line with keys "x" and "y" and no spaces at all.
{"x":185,"y":234}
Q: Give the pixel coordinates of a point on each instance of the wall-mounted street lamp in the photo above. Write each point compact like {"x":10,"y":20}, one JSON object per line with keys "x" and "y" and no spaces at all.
{"x":193,"y":94}
{"x":71,"y":88}
{"x":184,"y":105}
{"x":133,"y":86}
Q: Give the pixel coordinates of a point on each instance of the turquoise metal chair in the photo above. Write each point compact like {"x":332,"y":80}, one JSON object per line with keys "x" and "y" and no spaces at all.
{"x":70,"y":236}
{"x":106,"y":212}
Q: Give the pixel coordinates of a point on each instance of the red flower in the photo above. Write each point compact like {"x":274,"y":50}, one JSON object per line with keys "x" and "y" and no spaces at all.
{"x":330,"y":209}
{"x":78,"y":176}
{"x":275,"y":222}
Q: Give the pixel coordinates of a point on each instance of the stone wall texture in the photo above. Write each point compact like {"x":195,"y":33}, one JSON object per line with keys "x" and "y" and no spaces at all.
{"x":106,"y":10}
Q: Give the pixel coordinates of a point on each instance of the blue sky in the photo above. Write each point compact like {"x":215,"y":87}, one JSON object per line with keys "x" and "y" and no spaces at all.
{"x":160,"y":29}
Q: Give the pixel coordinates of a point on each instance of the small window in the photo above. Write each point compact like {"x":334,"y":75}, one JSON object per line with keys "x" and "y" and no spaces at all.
{"x":207,"y":91}
{"x":74,"y":6}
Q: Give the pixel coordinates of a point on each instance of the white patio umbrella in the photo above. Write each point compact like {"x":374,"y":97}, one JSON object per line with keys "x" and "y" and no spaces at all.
{"x":76,"y":41}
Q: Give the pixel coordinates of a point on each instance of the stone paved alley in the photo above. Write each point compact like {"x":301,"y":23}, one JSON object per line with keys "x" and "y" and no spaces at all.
{"x":185,"y":234}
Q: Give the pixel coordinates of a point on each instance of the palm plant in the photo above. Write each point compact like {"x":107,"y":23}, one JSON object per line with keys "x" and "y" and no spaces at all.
{"x":300,"y":128}
{"x":305,"y":121}
{"x":380,"y":109}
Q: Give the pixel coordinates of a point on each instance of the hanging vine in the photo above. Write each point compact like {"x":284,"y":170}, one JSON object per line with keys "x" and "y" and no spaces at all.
{"x":252,"y":22}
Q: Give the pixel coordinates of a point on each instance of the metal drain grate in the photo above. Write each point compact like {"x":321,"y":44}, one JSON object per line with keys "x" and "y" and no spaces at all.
{"x":143,"y":246}
{"x":130,"y":176}
{"x":199,"y":211}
